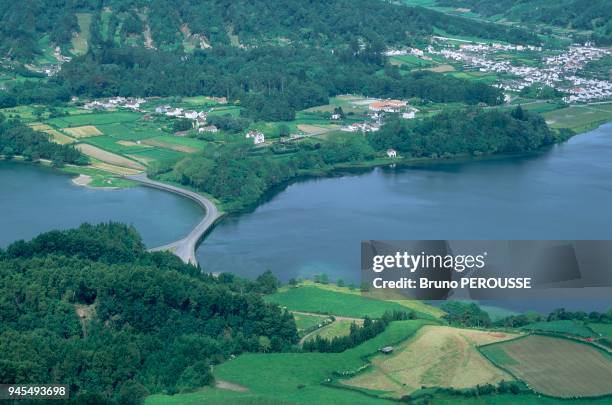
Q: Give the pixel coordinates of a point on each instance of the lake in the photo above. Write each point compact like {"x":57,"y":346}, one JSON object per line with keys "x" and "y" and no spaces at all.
{"x":315,"y":226}
{"x":35,"y":199}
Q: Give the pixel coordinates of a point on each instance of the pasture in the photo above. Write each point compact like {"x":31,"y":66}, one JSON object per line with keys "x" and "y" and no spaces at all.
{"x":94,"y":119}
{"x":410,"y":61}
{"x":317,"y":300}
{"x":422,"y":309}
{"x":437,"y":356}
{"x":579,"y":118}
{"x":175,"y":143}
{"x":338,"y":328}
{"x":555,"y":366}
{"x":569,"y":327}
{"x":295,"y":377}
{"x":305,"y":321}
{"x":603,"y":329}
{"x":80,"y":41}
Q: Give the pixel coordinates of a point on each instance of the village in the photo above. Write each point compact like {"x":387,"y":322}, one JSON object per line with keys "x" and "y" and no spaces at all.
{"x":558,"y":71}
{"x":374,"y":116}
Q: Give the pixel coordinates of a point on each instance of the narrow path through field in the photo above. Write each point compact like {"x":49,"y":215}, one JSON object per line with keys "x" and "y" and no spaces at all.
{"x":226,"y":385}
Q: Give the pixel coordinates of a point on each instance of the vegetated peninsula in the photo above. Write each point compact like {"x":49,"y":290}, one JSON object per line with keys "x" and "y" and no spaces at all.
{"x":239,"y":179}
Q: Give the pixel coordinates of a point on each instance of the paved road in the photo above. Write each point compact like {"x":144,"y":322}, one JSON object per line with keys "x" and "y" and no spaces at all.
{"x":184,"y":248}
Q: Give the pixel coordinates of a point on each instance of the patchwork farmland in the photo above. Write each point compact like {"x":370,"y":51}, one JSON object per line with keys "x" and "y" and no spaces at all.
{"x":555,"y":366}
{"x":437,"y":356}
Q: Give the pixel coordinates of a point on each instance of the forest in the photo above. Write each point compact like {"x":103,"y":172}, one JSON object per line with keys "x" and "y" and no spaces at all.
{"x":332,"y":24}
{"x":237,"y":177}
{"x":89,"y":307}
{"x":17,"y":138}
{"x":592,"y":15}
{"x":272,"y":83}
{"x":469,"y":132}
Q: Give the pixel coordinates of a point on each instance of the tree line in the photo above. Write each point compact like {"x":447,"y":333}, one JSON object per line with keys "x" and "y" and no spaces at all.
{"x":357,"y":334}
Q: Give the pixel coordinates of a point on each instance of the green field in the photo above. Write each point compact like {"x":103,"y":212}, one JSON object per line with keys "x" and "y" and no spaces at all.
{"x":80,"y":42}
{"x":94,"y":119}
{"x":565,"y":326}
{"x":111,"y":144}
{"x":234,"y":111}
{"x":180,"y":141}
{"x":410,"y":61}
{"x":158,"y":154}
{"x":604,"y":329}
{"x":340,"y":327}
{"x":482,"y":77}
{"x":313,"y":299}
{"x":294,"y":378}
{"x":580,"y":118}
{"x":304,"y":321}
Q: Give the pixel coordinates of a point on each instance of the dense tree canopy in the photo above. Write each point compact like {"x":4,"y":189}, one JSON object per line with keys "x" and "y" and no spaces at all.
{"x":473,"y":132}
{"x":592,"y":15}
{"x":91,"y":308}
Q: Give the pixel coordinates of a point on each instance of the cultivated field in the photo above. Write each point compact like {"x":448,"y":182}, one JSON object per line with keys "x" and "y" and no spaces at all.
{"x":555,"y":366}
{"x":83,"y":132}
{"x":108,"y":157}
{"x":179,"y":144}
{"x":56,"y":136}
{"x":438,"y":356}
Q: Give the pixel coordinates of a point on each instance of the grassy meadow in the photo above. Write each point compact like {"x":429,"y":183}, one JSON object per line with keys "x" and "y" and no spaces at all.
{"x":297,"y":378}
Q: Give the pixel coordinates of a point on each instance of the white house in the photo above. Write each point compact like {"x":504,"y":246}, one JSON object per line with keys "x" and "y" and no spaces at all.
{"x":258,"y":137}
{"x":392,"y":153}
{"x":174,"y":112}
{"x":211,"y":128}
{"x":192,"y":115}
{"x":408,"y":115}
{"x":162,"y":109}
{"x":336,"y":117}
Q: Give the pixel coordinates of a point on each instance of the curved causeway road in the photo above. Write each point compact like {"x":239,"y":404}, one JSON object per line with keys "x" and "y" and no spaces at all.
{"x":184,"y":248}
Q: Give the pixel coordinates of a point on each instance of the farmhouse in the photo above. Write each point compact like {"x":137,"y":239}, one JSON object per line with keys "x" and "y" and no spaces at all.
{"x":174,"y":112}
{"x":258,"y":137}
{"x":336,"y":117}
{"x":192,"y":115}
{"x":390,"y":106}
{"x":210,"y":128}
{"x":409,"y":114}
{"x":361,"y":126}
{"x":162,"y":109}
{"x":392,"y":153}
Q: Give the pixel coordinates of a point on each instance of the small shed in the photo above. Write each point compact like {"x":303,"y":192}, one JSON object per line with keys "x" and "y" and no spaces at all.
{"x":386,"y":350}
